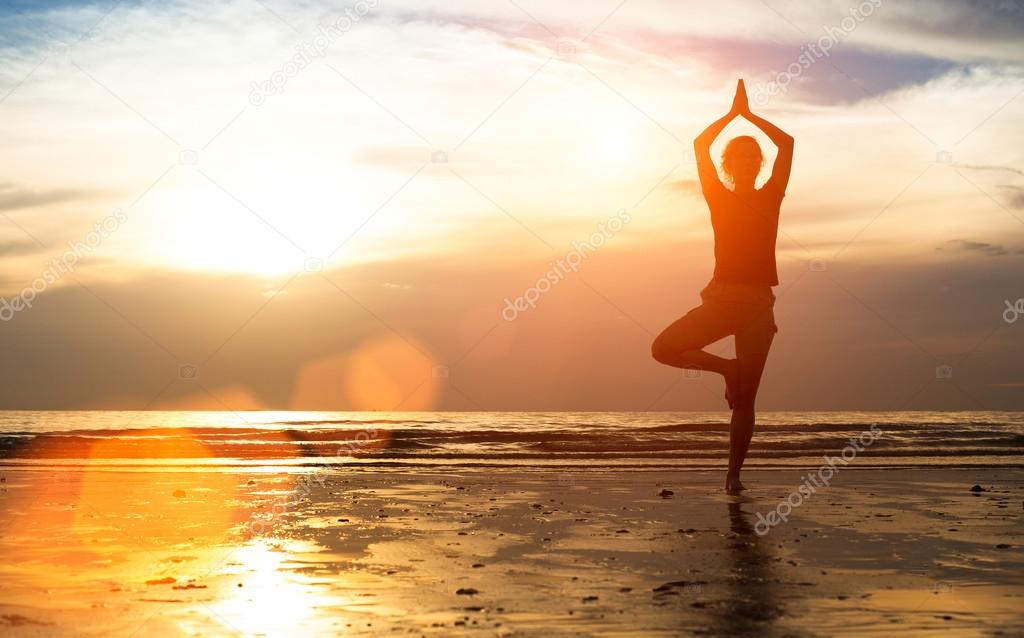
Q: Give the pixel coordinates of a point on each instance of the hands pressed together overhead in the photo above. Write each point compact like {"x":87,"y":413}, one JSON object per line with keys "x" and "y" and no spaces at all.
{"x":740,"y":105}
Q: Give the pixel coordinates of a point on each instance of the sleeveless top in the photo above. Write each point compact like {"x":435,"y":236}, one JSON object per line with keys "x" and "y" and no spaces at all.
{"x":746,"y":226}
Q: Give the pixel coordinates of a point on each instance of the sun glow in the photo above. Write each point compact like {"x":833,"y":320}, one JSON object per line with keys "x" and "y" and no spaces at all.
{"x":273,"y":598}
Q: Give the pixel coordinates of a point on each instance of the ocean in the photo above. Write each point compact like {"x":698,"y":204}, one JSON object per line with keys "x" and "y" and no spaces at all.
{"x":658,"y":439}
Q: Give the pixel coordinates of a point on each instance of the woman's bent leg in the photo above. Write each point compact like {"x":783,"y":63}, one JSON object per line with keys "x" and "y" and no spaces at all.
{"x":680,"y":345}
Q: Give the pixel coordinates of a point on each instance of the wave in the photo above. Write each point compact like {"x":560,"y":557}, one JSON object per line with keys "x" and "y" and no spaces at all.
{"x":425,"y":439}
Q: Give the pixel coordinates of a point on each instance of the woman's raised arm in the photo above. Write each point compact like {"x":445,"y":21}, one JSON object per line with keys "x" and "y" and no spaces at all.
{"x":784,"y":142}
{"x":702,"y":147}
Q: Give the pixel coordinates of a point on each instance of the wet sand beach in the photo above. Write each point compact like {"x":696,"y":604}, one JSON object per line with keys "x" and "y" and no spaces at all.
{"x":509,"y":552}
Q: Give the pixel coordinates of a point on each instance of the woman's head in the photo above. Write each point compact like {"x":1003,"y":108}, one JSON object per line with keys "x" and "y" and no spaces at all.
{"x":742,"y":159}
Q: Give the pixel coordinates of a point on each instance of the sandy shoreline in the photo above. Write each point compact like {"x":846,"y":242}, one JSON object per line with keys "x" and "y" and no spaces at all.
{"x":510,"y":552}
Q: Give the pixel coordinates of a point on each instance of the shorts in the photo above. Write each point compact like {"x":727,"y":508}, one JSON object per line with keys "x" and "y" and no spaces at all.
{"x":728,"y":309}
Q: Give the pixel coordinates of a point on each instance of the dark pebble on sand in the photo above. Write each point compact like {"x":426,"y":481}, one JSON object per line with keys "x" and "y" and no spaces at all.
{"x":977,"y":488}
{"x":1003,"y":546}
{"x":477,"y":565}
{"x":466,"y":591}
{"x":589,"y":599}
{"x":665,"y":493}
{"x":668,"y":586}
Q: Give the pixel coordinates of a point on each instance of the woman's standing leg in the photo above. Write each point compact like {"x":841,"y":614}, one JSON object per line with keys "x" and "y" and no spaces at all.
{"x":752,"y":345}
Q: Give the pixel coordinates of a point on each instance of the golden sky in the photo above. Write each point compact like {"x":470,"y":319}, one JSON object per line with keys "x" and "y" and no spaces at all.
{"x":314,"y":206}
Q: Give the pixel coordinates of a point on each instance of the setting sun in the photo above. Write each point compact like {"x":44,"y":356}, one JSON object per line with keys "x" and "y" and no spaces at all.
{"x":451,"y":318}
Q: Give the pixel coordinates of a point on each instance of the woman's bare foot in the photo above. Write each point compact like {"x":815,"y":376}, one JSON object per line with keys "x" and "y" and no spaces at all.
{"x":732,"y":383}
{"x":733,"y":485}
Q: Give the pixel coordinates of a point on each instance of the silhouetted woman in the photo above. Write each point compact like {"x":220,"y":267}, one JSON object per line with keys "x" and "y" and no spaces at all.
{"x":739,"y":299}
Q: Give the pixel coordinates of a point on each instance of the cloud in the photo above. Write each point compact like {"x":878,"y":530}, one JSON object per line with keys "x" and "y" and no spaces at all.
{"x":124,"y":354}
{"x":1015,"y":193}
{"x":989,"y":167}
{"x":16,"y":248}
{"x":974,"y":246}
{"x":1016,"y":196}
{"x":685,"y":186}
{"x":958,"y":28}
{"x":14,"y":198}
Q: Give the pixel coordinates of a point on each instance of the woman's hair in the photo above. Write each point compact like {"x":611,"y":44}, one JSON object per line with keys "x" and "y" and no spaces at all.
{"x":732,"y":147}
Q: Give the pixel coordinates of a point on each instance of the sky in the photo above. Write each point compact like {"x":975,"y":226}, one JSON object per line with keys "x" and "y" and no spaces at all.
{"x":399,"y":205}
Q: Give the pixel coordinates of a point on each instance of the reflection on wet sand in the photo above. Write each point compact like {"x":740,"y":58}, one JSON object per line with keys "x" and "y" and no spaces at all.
{"x":751,"y":602}
{"x":274,"y":594}
{"x":378,"y":553}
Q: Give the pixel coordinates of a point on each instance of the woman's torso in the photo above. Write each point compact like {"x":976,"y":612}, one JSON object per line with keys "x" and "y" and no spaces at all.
{"x":746,"y":226}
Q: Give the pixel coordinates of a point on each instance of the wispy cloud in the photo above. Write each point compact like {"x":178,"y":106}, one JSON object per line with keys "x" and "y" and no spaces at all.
{"x":1016,"y":196}
{"x":14,"y":198}
{"x":974,"y":246}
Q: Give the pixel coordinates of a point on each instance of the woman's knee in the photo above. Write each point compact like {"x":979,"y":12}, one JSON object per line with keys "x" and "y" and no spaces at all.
{"x":661,"y":350}
{"x":667,"y":350}
{"x":751,"y":369}
{"x":746,"y":401}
